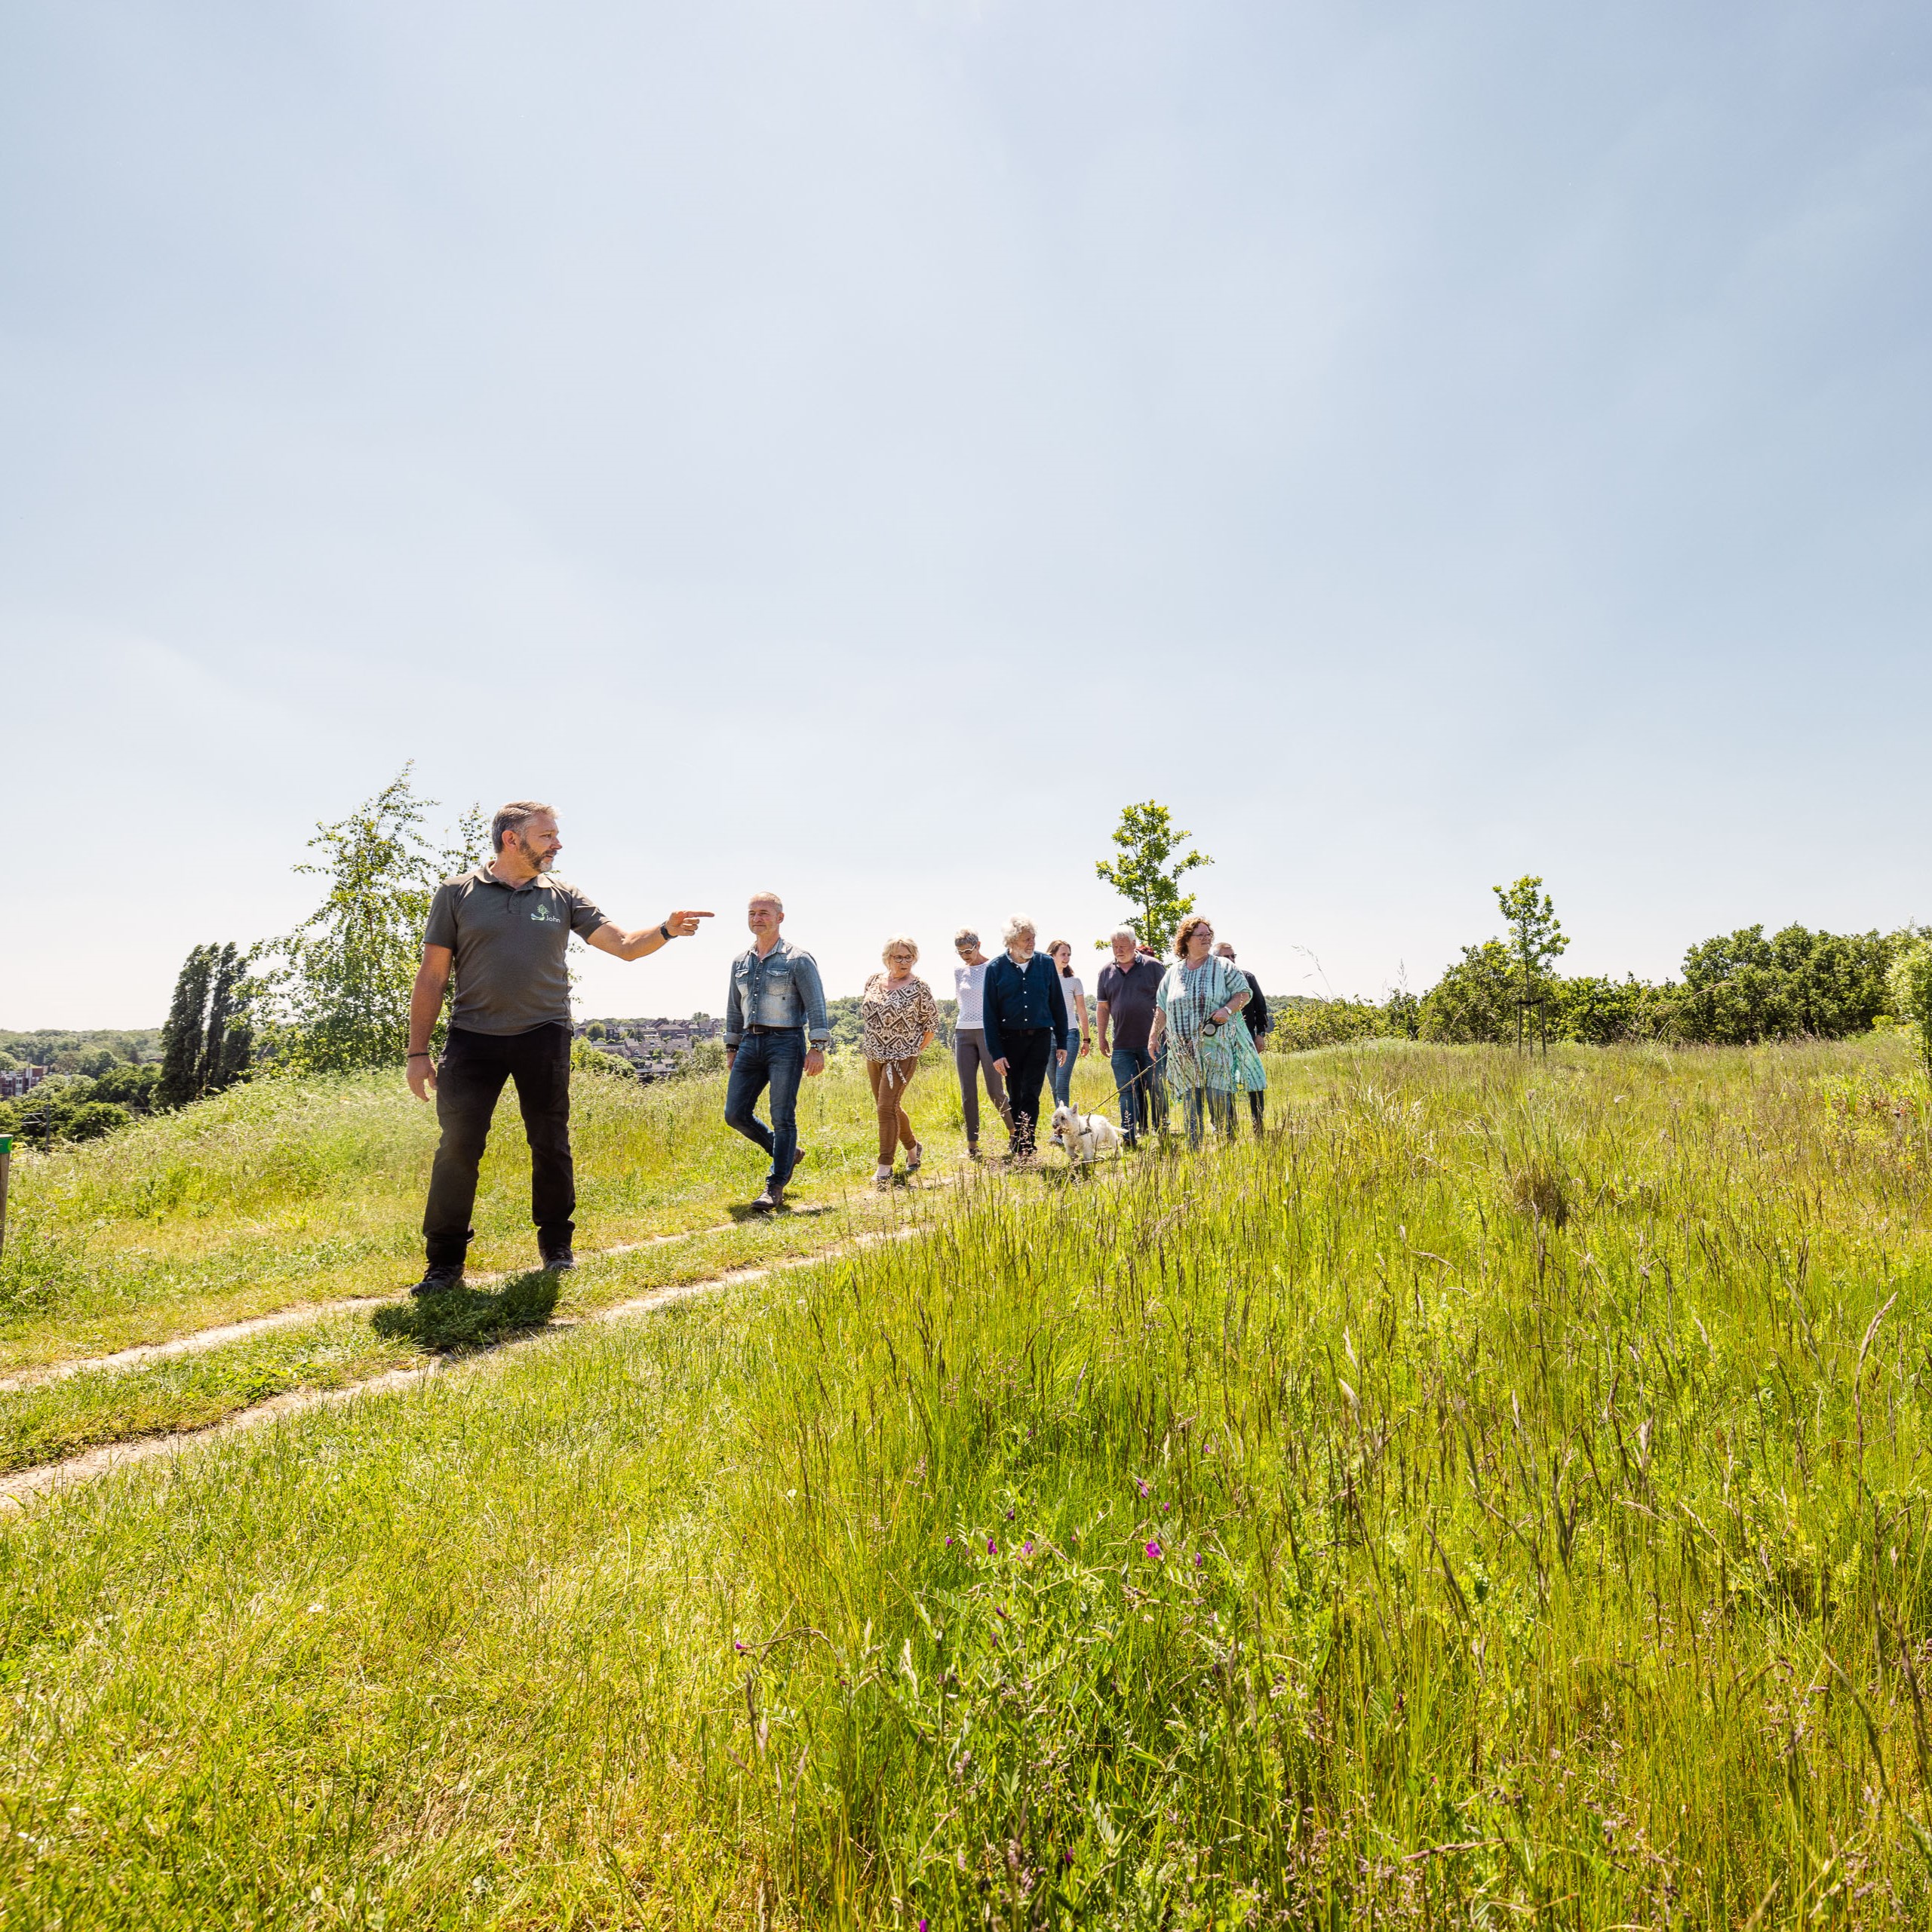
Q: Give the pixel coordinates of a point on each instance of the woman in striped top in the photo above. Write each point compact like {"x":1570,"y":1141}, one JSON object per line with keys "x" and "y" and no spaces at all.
{"x":901,"y":1019}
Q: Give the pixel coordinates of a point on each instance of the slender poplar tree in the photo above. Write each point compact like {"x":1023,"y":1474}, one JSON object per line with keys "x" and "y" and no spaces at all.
{"x":227,"y":1036}
{"x":182,"y":1037}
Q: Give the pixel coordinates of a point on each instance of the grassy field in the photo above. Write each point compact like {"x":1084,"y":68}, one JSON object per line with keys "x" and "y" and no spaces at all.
{"x":1498,"y":1497}
{"x":285,"y":1193}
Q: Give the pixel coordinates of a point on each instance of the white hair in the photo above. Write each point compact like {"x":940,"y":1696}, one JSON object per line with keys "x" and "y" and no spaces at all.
{"x":965,"y":935}
{"x":776,"y":902}
{"x":1126,"y":933}
{"x":898,"y":940}
{"x":1016,"y":925}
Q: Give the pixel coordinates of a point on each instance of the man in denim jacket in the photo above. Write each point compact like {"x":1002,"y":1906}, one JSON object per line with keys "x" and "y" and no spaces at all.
{"x":776,"y":1000}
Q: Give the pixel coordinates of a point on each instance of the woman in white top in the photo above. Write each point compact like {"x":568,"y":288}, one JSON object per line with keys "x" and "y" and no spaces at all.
{"x":970,"y":1054}
{"x":1079,"y":1035}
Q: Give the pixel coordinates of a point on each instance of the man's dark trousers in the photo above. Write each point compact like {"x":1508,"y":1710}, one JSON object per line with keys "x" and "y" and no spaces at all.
{"x":1028,"y":1052}
{"x":475,"y":1066}
{"x":776,"y":1059}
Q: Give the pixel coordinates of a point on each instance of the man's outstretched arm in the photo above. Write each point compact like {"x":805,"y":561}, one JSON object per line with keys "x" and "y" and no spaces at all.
{"x":425,"y":1004}
{"x":622,"y":945}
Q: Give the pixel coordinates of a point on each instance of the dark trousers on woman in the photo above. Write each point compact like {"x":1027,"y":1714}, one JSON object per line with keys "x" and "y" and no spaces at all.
{"x":468,"y":1081}
{"x":1028,"y":1052}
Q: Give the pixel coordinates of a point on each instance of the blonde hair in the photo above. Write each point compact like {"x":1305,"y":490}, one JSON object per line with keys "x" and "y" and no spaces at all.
{"x":898,"y":940}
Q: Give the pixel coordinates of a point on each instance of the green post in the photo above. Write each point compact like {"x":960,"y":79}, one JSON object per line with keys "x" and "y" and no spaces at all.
{"x":6,"y":1162}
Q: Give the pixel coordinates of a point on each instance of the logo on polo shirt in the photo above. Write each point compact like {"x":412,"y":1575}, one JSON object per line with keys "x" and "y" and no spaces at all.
{"x":543,"y":914}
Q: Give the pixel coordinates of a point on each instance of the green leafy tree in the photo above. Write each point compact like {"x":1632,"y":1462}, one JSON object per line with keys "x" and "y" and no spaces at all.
{"x":1911,"y":985}
{"x":1740,"y":988}
{"x":1601,"y":1012}
{"x":1474,"y":1002}
{"x":182,"y":1037}
{"x":1535,"y":941}
{"x":343,"y":985}
{"x":1147,"y":870}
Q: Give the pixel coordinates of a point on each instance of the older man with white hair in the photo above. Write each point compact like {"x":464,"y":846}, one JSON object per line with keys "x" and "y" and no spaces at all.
{"x":1025,"y":1014}
{"x":776,"y":1000}
{"x":1128,"y":988}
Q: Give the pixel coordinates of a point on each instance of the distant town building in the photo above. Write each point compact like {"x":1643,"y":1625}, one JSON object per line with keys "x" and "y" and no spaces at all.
{"x":21,"y":1080}
{"x":653,"y":1049}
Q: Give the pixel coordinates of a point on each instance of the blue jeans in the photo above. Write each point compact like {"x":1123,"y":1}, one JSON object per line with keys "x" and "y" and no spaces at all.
{"x":1143,"y":1105}
{"x":777,"y":1061}
{"x":1061,"y":1078}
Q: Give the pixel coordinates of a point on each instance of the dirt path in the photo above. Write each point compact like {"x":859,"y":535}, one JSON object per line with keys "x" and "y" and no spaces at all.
{"x":19,"y":1489}
{"x":287,"y":1318}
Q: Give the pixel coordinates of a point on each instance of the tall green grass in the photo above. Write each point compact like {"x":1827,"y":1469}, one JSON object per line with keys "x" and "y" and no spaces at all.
{"x":1497,"y":1497}
{"x":287,"y":1191}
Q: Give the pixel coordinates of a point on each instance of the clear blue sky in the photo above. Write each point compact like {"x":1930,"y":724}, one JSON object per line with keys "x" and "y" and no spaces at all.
{"x":857,"y":448}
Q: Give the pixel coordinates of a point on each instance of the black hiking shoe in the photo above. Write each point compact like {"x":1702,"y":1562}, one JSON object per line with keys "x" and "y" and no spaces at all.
{"x":558,"y":1260}
{"x":439,"y":1278}
{"x":771,"y":1200}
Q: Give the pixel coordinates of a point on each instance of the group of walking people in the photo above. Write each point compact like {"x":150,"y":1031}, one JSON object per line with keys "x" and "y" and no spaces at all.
{"x":1190,"y":1030}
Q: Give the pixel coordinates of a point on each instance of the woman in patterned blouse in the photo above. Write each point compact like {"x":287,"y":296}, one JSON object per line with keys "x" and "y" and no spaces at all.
{"x":1209,"y":1057}
{"x":901,"y":1020}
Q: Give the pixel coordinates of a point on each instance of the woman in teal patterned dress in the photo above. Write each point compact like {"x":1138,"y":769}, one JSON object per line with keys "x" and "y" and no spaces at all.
{"x":1210,"y":1058}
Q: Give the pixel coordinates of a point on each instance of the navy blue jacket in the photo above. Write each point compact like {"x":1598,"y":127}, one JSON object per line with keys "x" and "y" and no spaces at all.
{"x":1028,"y":996}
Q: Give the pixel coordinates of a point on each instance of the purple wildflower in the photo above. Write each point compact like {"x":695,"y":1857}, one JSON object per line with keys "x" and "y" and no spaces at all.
{"x":922,"y":1925}
{"x":1026,"y":1548}
{"x":1200,"y":1562}
{"x":992,"y":1548}
{"x":1009,"y":1516}
{"x":949,"y":1542}
{"x":1153,"y":1550}
{"x":1140,"y":1483}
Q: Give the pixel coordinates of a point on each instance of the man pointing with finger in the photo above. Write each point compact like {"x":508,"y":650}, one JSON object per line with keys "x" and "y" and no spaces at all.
{"x":503,"y":928}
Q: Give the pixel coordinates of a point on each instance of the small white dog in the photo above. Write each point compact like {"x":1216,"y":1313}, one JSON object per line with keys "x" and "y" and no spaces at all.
{"x":1084,"y":1136}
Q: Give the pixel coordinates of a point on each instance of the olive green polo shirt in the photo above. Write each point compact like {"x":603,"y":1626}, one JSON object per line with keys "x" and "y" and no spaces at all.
{"x":509,"y":942}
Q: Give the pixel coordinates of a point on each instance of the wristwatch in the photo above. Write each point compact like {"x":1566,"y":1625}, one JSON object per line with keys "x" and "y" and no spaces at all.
{"x":664,"y":927}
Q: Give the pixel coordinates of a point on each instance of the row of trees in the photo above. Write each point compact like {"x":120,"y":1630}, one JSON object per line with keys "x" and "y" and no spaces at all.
{"x":332,"y":996}
{"x":208,"y":1041}
{"x":1738,"y":988}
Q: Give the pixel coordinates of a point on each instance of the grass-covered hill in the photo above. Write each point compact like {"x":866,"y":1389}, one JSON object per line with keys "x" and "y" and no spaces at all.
{"x":1497,"y":1497}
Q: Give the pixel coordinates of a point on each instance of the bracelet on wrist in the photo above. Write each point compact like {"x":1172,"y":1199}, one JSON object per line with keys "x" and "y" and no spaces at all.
{"x":424,"y":1055}
{"x":664,"y":927}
